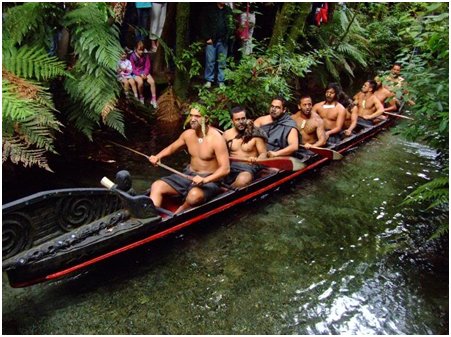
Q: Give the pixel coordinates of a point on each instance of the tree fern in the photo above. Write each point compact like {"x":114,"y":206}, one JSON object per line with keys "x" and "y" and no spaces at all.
{"x":435,"y":191}
{"x":31,"y":23}
{"x":28,"y":122}
{"x":32,"y":63}
{"x":17,"y":151}
{"x":436,"y":194}
{"x":94,"y":86}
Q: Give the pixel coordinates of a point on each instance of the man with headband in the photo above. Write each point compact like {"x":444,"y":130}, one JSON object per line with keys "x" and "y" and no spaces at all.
{"x":209,"y":163}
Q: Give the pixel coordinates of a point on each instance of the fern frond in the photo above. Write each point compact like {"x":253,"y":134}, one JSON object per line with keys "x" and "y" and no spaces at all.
{"x":14,"y":149}
{"x":169,"y":107}
{"x":331,"y":68}
{"x":15,"y":107}
{"x":82,"y":121}
{"x":351,"y":51}
{"x":33,"y":62}
{"x":115,"y":120}
{"x":94,"y":88}
{"x":436,"y":192}
{"x":93,"y":35}
{"x":27,"y":23}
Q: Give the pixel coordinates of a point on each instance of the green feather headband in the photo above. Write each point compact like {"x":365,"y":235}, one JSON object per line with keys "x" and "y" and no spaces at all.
{"x":202,"y":110}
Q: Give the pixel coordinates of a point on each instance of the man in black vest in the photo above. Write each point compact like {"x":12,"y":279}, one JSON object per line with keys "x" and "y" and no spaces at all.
{"x":216,"y":33}
{"x":282,"y":131}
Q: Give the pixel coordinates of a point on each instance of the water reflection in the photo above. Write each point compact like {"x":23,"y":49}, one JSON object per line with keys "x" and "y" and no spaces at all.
{"x":332,"y":253}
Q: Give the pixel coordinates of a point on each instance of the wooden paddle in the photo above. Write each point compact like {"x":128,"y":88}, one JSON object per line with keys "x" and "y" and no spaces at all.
{"x":327,"y":153}
{"x":281,"y":163}
{"x":170,"y":169}
{"x":400,"y":116}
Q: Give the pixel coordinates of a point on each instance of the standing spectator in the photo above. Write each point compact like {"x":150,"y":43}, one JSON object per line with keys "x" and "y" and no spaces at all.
{"x":143,"y":12}
{"x":247,"y":24}
{"x":216,"y":33}
{"x":141,"y":72}
{"x":157,"y":18}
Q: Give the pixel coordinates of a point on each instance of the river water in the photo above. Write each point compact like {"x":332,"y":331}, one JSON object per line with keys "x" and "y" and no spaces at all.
{"x":332,"y":253}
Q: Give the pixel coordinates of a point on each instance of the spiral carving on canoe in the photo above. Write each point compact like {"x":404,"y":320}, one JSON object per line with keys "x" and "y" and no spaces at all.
{"x":73,"y":212}
{"x":17,"y":234}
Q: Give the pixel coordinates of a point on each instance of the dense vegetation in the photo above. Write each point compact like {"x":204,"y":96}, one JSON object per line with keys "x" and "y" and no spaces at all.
{"x":357,"y":42}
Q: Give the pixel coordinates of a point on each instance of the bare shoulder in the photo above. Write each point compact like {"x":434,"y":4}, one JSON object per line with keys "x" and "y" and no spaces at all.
{"x":315,"y":115}
{"x":317,"y":119}
{"x":340,"y":108}
{"x":318,"y":106}
{"x":263,"y":120}
{"x":295,"y":116}
{"x":188,"y":134}
{"x":215,"y":137}
{"x":228,"y":134}
{"x":357,"y":96}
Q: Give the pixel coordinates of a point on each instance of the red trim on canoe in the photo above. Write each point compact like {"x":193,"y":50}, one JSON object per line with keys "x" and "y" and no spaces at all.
{"x":186,"y":223}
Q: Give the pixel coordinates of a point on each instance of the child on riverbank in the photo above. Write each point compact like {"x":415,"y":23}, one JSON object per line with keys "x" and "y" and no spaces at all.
{"x":124,"y":75}
{"x":141,"y":72}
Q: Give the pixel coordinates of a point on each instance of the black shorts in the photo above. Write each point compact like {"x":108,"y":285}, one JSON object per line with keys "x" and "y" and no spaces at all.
{"x":303,"y":153}
{"x":366,"y":123}
{"x":335,"y":138}
{"x":236,"y":168}
{"x":183,"y":185}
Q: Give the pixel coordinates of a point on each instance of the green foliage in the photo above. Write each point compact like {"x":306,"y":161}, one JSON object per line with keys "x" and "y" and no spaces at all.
{"x":256,"y":80}
{"x":32,"y":63}
{"x":188,"y":62}
{"x":93,"y":88}
{"x":18,"y":152}
{"x":28,"y":116}
{"x":427,"y":72}
{"x":28,"y":126}
{"x":343,"y":45}
{"x":32,"y":24}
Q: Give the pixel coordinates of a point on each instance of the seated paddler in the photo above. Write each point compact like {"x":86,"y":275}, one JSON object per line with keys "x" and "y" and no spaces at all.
{"x":209,"y":163}
{"x":333,"y":114}
{"x":310,"y":125}
{"x":370,"y":109}
{"x":245,"y":142}
{"x":282,"y":131}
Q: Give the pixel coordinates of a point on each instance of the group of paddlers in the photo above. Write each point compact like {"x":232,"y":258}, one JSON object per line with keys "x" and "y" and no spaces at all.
{"x":232,"y":158}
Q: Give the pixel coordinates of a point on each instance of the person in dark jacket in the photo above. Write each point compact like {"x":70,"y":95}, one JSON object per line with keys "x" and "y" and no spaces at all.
{"x":216,"y":32}
{"x":282,"y":131}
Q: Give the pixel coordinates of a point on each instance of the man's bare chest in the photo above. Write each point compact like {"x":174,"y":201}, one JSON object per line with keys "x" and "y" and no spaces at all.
{"x":307,"y":126}
{"x":329,"y":113}
{"x":238,"y":145}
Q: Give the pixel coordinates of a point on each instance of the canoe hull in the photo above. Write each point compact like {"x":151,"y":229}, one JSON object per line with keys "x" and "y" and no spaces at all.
{"x":120,"y":231}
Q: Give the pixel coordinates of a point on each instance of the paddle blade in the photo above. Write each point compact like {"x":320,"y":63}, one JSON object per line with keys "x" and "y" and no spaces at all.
{"x":326,"y":153}
{"x":280,"y":163}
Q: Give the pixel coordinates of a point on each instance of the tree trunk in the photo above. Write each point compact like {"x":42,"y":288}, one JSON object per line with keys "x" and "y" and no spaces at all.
{"x":181,"y":83}
{"x":159,"y":64}
{"x":282,"y":24}
{"x":297,"y":29}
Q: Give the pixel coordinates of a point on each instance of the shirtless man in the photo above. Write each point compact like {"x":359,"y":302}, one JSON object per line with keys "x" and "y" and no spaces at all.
{"x":398,"y":81}
{"x":351,"y":113}
{"x":209,"y":163}
{"x":370,"y":108}
{"x":242,"y":143}
{"x":382,"y":94}
{"x":310,"y":124}
{"x":332,"y":113}
{"x":282,"y":131}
